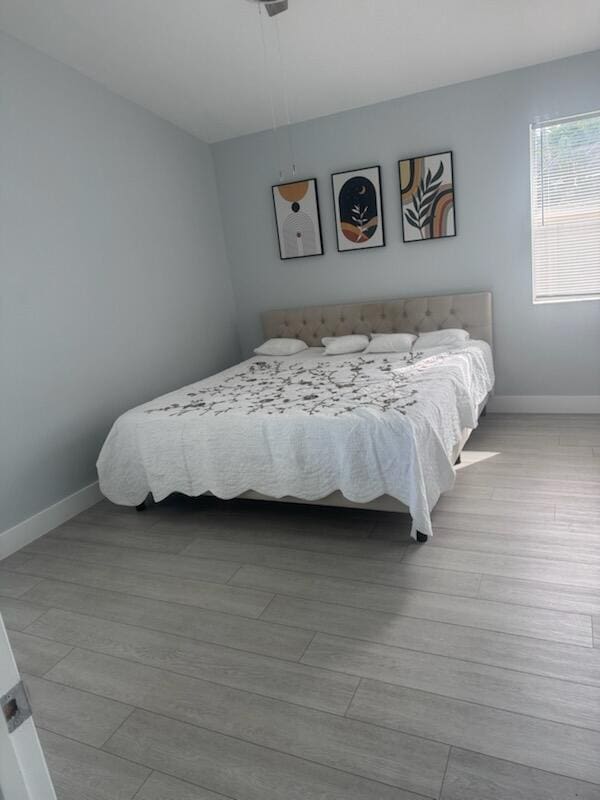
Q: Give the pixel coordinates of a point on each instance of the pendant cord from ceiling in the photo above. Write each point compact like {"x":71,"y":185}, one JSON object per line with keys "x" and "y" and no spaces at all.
{"x":283,"y":80}
{"x":269,"y":89}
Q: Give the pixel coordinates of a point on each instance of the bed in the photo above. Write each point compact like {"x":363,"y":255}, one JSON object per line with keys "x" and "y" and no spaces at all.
{"x":380,"y":431}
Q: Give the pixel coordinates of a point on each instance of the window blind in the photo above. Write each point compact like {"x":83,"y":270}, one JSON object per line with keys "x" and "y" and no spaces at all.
{"x":565,"y":208}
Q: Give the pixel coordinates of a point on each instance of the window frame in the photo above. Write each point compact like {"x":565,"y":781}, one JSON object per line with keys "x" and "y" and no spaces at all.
{"x":533,"y":126}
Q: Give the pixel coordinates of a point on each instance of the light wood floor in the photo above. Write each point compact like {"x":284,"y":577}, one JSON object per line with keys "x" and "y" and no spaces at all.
{"x":206,"y":650}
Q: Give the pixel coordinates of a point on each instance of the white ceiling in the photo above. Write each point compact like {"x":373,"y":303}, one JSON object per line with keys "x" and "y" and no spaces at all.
{"x":199,"y":63}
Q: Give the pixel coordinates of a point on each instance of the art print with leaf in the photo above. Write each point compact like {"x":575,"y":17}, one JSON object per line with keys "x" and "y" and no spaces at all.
{"x":358,"y":209}
{"x":427,"y":196}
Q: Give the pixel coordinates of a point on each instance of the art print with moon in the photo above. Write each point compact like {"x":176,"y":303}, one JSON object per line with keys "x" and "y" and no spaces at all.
{"x":358,"y":209}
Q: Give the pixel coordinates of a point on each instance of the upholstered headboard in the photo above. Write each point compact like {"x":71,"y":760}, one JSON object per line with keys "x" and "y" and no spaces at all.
{"x":473,"y":312}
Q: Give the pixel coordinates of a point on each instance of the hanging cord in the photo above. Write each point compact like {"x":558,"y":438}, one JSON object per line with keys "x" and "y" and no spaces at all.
{"x":542,"y":129}
{"x":270,"y":92}
{"x":283,"y":81}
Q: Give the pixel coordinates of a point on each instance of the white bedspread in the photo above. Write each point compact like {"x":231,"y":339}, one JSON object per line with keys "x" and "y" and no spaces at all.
{"x":305,"y":426}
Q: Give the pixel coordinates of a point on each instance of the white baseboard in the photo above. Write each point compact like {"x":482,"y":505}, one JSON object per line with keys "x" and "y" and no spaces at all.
{"x":30,"y":529}
{"x":545,"y":404}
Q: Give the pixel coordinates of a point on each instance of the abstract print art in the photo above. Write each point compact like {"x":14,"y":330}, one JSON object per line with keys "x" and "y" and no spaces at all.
{"x":297,"y":219}
{"x":427,"y":197}
{"x":358,"y":210}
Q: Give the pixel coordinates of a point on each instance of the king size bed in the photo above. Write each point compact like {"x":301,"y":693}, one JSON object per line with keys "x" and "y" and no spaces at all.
{"x":366,"y":430}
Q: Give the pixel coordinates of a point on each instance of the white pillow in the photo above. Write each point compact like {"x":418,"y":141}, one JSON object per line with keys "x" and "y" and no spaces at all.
{"x":449,"y":337}
{"x":390,"y":342}
{"x":281,"y":347}
{"x":336,"y":345}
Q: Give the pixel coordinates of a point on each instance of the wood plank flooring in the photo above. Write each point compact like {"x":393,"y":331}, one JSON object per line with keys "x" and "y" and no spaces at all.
{"x":205,"y":650}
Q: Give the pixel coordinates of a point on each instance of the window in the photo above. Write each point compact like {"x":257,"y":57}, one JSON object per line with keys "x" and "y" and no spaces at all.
{"x":565,"y":209}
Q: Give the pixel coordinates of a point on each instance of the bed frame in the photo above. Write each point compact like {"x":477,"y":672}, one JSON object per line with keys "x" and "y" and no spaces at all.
{"x":471,"y":312}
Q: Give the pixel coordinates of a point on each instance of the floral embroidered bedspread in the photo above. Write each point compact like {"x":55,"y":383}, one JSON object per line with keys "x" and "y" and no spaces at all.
{"x":305,"y":426}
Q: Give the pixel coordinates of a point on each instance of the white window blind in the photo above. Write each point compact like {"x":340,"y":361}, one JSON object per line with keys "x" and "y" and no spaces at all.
{"x":565,"y":208}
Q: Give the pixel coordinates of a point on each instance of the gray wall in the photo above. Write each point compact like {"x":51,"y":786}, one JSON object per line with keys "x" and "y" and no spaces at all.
{"x":544,"y":349}
{"x":114,"y":285}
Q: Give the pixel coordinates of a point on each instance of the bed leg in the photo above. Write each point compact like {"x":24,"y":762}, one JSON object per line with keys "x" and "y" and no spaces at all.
{"x":484,"y":412}
{"x":421,"y":537}
{"x":146,"y":503}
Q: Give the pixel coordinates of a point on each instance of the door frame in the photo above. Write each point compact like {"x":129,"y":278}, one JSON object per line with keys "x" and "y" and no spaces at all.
{"x":23,"y":770}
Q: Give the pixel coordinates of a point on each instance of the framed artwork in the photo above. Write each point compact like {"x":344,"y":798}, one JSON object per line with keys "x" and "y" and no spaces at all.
{"x":427,"y":197}
{"x":358,"y":209}
{"x":297,"y":219}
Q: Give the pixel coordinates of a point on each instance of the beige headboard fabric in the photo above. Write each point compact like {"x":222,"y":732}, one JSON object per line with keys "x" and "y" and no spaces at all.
{"x":473,"y":312}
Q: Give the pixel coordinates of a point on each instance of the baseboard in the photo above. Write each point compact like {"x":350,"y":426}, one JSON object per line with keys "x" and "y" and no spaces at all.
{"x":546,"y":404}
{"x":30,"y":529}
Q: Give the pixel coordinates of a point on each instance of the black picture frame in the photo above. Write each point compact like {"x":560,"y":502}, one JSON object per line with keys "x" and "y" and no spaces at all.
{"x":433,"y":202}
{"x":378,"y":236}
{"x":316,"y":217}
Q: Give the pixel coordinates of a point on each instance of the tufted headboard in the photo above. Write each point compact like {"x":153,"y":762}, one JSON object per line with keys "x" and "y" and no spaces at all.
{"x":473,"y":312}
